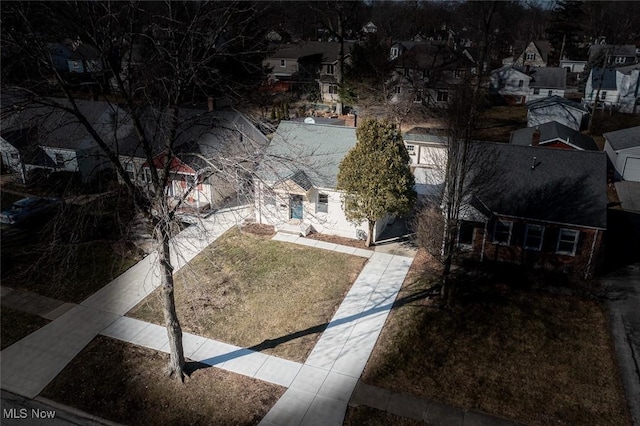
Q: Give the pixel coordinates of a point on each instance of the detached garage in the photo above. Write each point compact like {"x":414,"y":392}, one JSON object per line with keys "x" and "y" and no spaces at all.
{"x":623,"y":149}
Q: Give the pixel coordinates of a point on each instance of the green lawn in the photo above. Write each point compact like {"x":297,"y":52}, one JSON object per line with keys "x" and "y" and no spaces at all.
{"x":504,"y":349}
{"x":251,"y":291}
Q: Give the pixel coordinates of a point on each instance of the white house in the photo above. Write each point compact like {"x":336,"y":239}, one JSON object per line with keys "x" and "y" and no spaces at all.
{"x":619,"y":88}
{"x":295,"y":185}
{"x":428,"y":151}
{"x":573,"y":65}
{"x":623,"y":149}
{"x":510,"y":82}
{"x":546,"y":82}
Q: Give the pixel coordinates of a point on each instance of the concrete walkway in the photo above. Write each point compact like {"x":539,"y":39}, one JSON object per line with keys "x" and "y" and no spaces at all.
{"x":30,"y":364}
{"x":320,"y":392}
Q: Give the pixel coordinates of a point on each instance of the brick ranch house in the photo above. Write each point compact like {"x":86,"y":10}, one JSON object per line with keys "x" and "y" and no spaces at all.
{"x":547,"y":209}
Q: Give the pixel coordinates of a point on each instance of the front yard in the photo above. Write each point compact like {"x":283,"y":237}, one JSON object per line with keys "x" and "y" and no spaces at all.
{"x":16,"y":325}
{"x":248,"y":290}
{"x":505,"y":348}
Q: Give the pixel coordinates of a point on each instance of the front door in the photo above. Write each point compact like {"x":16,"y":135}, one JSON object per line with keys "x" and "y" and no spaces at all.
{"x":295,"y":206}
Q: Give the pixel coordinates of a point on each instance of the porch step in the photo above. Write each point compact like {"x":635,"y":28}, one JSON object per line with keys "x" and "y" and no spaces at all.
{"x":300,"y":229}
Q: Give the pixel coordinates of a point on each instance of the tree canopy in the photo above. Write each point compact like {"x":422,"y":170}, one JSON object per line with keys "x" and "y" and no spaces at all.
{"x":376,"y":176}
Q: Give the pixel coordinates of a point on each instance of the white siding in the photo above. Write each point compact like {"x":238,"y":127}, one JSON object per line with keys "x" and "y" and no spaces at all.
{"x":544,"y":93}
{"x":625,"y":162}
{"x":69,"y":158}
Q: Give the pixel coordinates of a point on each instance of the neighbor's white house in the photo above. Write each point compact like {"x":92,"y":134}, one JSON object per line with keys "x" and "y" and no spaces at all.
{"x":619,"y":88}
{"x":295,"y":188}
{"x":427,"y":149}
{"x":623,"y":149}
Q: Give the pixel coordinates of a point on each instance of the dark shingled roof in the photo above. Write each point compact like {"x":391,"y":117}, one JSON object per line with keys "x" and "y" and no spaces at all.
{"x":328,"y":50}
{"x":608,"y":78}
{"x":564,"y":186}
{"x":554,"y":100}
{"x":548,"y":78}
{"x":553,"y":131}
{"x":624,"y":139}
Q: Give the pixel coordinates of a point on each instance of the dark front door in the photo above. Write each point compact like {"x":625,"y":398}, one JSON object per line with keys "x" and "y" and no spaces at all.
{"x":295,"y":206}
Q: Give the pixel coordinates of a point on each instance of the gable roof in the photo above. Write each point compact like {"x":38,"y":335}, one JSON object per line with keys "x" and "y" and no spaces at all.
{"x":554,"y":101}
{"x":548,"y":78}
{"x":623,"y":139}
{"x":315,"y":149}
{"x":543,"y":47}
{"x":626,"y":50}
{"x":328,"y":50}
{"x":607,"y":76}
{"x":552,"y":131}
{"x":565,"y":186}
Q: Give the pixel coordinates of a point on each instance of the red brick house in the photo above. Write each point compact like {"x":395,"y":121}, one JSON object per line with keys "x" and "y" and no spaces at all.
{"x":547,"y":209}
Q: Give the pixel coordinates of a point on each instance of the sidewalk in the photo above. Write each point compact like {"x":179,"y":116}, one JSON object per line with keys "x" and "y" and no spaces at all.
{"x":30,"y":364}
{"x":319,"y":394}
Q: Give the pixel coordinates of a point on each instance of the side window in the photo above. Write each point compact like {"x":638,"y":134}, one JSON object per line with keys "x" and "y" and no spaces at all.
{"x":502,"y":232}
{"x":567,"y":241}
{"x":322,"y":206}
{"x":533,"y":237}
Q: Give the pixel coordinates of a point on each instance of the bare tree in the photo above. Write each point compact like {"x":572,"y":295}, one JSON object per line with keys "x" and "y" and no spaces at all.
{"x":157,"y":56}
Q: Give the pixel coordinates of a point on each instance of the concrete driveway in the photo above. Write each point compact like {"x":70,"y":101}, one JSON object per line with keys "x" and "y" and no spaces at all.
{"x":623,"y":294}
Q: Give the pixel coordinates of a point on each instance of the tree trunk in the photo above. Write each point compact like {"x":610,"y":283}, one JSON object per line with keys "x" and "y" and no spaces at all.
{"x":372,"y":225}
{"x":174,"y":331}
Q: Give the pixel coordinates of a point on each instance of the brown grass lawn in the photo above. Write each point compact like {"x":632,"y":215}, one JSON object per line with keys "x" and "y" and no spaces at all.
{"x":127,"y":384}
{"x":250,"y":291}
{"x":497,"y":123}
{"x":16,"y":325}
{"x":504,"y":349}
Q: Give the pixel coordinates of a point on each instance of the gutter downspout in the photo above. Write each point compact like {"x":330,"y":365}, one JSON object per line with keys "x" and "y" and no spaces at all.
{"x":484,"y":241}
{"x":593,"y":249}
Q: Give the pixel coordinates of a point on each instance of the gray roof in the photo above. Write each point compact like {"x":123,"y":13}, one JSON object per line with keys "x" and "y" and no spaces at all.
{"x":565,"y":186}
{"x":328,"y":50}
{"x":554,"y":100}
{"x":553,"y":131}
{"x":543,"y":46}
{"x":626,"y":50}
{"x":548,"y":78}
{"x":315,"y":149}
{"x":624,"y":139}
{"x":607,"y":76}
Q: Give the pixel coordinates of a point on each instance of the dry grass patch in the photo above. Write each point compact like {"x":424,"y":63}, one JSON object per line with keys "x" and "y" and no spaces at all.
{"x":251,"y":291}
{"x":16,"y":325}
{"x":497,"y":123}
{"x":127,"y":384}
{"x":503,"y":349}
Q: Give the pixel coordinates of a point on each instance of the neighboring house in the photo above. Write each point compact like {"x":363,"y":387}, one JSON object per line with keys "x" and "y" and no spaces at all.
{"x":370,"y":28}
{"x":619,"y":88}
{"x":307,"y":62}
{"x":296,"y":181}
{"x":553,"y":135}
{"x":54,"y":140}
{"x":428,"y":151}
{"x":533,"y":54}
{"x":426,"y":73}
{"x":556,"y":108}
{"x":547,"y":209}
{"x":573,"y":66}
{"x":511,"y":82}
{"x":615,"y":55}
{"x":546,"y":82}
{"x":76,"y":57}
{"x":623,"y":149}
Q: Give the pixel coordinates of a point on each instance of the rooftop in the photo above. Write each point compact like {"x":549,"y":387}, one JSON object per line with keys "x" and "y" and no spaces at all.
{"x":624,"y":139}
{"x":553,"y":131}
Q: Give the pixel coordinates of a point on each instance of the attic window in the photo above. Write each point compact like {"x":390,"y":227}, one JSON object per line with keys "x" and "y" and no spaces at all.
{"x":620,"y":59}
{"x":520,"y":83}
{"x":531,"y":56}
{"x":330,"y":69}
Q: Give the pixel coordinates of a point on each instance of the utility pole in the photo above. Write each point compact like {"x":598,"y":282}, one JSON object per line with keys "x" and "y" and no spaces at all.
{"x":595,"y":102}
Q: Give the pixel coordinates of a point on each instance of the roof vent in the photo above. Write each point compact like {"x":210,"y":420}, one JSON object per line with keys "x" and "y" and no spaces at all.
{"x":533,"y":163}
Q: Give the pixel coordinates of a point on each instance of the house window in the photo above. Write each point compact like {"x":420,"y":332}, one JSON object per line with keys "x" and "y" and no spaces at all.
{"x":550,"y":93}
{"x":283,"y":62}
{"x":502,"y":232}
{"x":531,"y":56}
{"x":603,"y":95}
{"x":394,"y":52}
{"x":533,"y":237}
{"x":14,"y":156}
{"x":333,"y":89}
{"x":398,"y":90}
{"x":443,"y":96}
{"x":59,"y":160}
{"x":567,"y":241}
{"x":146,"y":175}
{"x":520,"y":83}
{"x":322,"y":206}
{"x":536,"y":91}
{"x":411,"y":149}
{"x":418,"y":97}
{"x":406,"y":72}
{"x":131,"y":171}
{"x":330,"y":69}
{"x":458,"y":73}
{"x":620,"y":59}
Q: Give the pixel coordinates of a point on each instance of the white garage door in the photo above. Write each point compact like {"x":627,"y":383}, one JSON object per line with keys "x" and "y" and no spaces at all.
{"x":632,"y":169}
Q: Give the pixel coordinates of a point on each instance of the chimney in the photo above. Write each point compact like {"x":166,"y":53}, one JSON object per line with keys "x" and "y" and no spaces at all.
{"x":535,"y":138}
{"x":210,"y":103}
